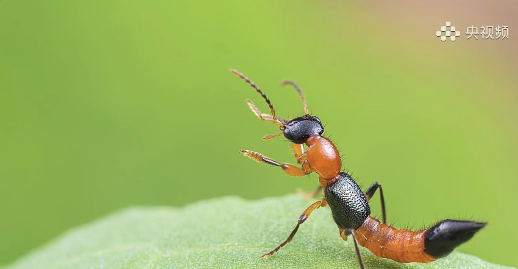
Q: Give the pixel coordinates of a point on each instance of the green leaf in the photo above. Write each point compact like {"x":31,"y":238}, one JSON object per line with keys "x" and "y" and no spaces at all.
{"x":226,"y":232}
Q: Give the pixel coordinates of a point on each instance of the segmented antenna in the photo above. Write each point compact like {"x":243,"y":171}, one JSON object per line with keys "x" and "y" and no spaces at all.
{"x":300,"y":93}
{"x":262,"y":94}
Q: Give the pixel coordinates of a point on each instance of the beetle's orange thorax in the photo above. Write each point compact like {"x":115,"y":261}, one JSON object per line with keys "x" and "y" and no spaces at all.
{"x":324,"y":159}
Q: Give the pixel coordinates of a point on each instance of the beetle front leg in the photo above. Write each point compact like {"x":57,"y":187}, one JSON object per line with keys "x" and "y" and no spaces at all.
{"x":289,"y":169}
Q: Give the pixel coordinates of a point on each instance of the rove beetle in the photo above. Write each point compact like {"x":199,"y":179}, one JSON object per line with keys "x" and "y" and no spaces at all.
{"x":349,"y":205}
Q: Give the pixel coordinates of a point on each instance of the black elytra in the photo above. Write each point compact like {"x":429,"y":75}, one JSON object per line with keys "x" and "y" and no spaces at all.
{"x":347,"y":202}
{"x":298,"y":130}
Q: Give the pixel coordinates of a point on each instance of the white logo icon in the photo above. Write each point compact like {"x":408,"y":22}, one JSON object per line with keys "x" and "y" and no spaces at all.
{"x":449,"y":31}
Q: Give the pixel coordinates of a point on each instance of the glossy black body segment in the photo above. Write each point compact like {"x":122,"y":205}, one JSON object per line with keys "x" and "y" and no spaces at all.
{"x":347,"y":202}
{"x":298,"y":130}
{"x":442,"y":238}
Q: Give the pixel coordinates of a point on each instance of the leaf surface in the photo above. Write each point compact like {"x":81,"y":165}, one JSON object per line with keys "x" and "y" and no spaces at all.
{"x":226,"y":232}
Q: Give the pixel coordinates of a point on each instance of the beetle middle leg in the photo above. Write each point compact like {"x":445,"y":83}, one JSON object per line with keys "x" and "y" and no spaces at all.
{"x":302,"y":219}
{"x":350,"y":231}
{"x":370,"y":192}
{"x":289,"y":169}
{"x":312,"y":194}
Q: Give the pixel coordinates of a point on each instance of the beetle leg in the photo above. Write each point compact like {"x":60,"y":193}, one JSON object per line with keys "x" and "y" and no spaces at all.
{"x":302,"y":219}
{"x":289,"y":169}
{"x":350,"y":231}
{"x":370,"y":192}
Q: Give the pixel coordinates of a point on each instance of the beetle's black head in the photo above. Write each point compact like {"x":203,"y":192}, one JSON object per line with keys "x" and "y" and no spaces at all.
{"x":298,"y":130}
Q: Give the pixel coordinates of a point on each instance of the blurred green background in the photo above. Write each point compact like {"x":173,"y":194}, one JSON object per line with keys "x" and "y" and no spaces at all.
{"x":111,"y":104}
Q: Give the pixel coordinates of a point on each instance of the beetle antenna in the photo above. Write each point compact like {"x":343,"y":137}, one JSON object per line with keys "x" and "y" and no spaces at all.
{"x":300,"y":93}
{"x":262,"y":94}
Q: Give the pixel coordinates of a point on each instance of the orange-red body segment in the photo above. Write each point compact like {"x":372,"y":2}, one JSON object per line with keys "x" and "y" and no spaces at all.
{"x":324,"y":159}
{"x":387,"y":242}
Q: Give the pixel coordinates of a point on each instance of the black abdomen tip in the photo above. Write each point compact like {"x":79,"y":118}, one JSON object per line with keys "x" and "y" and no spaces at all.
{"x":442,"y":238}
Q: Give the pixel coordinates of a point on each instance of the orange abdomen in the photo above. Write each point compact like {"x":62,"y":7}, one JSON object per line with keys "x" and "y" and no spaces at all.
{"x":387,"y":242}
{"x":323,"y":157}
